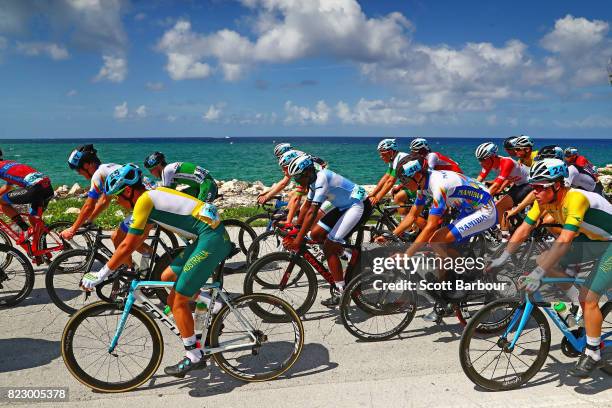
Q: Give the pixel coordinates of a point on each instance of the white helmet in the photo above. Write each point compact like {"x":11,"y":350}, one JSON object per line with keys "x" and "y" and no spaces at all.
{"x":523,"y":141}
{"x":486,"y":150}
{"x":281,"y":148}
{"x":547,"y":170}
{"x":299,"y":165}
{"x":387,"y":144}
{"x":419,"y":143}
{"x":288,"y":156}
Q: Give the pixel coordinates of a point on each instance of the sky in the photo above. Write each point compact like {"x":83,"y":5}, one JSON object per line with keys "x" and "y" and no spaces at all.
{"x":160,"y":68}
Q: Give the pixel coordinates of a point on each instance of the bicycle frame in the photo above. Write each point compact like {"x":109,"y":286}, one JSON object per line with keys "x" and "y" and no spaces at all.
{"x":136,"y":298}
{"x":278,"y":205}
{"x":521,"y":316}
{"x":31,"y":247}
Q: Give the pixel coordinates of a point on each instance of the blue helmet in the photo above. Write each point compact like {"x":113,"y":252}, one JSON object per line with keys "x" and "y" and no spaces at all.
{"x":522,"y":141}
{"x":288,"y":156}
{"x":387,"y":144}
{"x":418,"y":144}
{"x":119,"y":179}
{"x":571,"y":151}
{"x":281,"y":149}
{"x":299,"y":165}
{"x":486,"y":150}
{"x":547,"y":170}
{"x":409,"y":166}
{"x":81,"y":155}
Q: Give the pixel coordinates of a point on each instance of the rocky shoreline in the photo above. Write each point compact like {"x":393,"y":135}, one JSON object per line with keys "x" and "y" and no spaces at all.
{"x":238,"y":193}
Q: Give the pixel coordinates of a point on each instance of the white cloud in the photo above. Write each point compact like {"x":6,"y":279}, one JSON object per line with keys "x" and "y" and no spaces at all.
{"x":575,"y":35}
{"x":378,"y":112}
{"x":141,"y":111}
{"x":155,"y":86}
{"x":302,"y":115}
{"x":492,"y":120}
{"x":121,"y":111}
{"x":592,"y":121}
{"x":171,"y":118}
{"x":52,"y":50}
{"x":181,"y":66}
{"x":113,"y":70}
{"x":71,"y":93}
{"x":213,"y":113}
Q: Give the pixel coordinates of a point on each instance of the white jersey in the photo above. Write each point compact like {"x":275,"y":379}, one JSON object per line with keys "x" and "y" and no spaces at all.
{"x":99,"y":178}
{"x":579,"y":179}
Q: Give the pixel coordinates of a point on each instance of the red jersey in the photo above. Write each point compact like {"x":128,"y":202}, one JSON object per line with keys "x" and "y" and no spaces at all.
{"x":19,"y":174}
{"x":509,"y":170}
{"x":437,"y":161}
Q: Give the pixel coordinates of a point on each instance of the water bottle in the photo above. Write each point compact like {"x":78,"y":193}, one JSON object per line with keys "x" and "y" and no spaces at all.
{"x":143,"y":265}
{"x":565,"y":314}
{"x":345,"y":258}
{"x":200,"y":316}
{"x":205,"y":299}
{"x":168,"y":311}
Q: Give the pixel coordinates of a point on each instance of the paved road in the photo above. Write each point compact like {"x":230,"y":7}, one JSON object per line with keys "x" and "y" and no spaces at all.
{"x":420,"y":369}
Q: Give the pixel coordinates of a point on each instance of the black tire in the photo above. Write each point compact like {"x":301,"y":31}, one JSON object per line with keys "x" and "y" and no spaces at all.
{"x":64,"y":275}
{"x":372,"y":314}
{"x":5,"y":240}
{"x":491,"y":342}
{"x":78,"y":362}
{"x":265,"y":274}
{"x":274,"y":356}
{"x":251,"y":221}
{"x":16,"y":276}
{"x":245,"y":234}
{"x":264,"y":244}
{"x":169,"y":238}
{"x":82,"y":238}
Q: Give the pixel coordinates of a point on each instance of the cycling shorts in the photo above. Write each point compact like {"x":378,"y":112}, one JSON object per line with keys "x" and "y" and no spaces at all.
{"x":518,"y":193}
{"x":36,"y":195}
{"x":585,"y":250}
{"x":339,"y":224}
{"x":467,"y":225}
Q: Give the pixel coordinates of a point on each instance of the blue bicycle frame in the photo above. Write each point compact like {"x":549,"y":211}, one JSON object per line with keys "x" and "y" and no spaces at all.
{"x":522,"y":314}
{"x":277,"y":206}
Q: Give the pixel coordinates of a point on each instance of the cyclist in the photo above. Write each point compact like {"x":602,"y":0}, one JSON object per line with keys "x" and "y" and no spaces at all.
{"x":586,"y":235}
{"x":509,"y":146}
{"x":186,"y":216}
{"x":583,"y":165}
{"x":198,"y":180}
{"x":448,"y":190}
{"x":266,"y":196}
{"x":24,"y":185}
{"x":435,"y":160}
{"x":510,"y":173}
{"x":351,"y":209}
{"x":523,"y":148}
{"x":84,"y":159}
{"x":389,"y":153}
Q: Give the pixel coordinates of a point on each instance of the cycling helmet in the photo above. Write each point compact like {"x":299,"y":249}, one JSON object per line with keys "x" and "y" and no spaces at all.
{"x":299,"y":165}
{"x":154,"y":159}
{"x":523,"y":141}
{"x":509,"y":142}
{"x":547,"y":170}
{"x":550,"y":152}
{"x":81,"y":155}
{"x":571,"y":151}
{"x":288,"y":156}
{"x":486,"y":150}
{"x":419,"y":143}
{"x":409,"y":166}
{"x":387,"y":144}
{"x":281,"y":148}
{"x":119,"y":179}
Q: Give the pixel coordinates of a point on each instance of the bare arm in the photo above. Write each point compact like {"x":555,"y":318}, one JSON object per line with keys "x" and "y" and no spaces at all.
{"x":102,"y":204}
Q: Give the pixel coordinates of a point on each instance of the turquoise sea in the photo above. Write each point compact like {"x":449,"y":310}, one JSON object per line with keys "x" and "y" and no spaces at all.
{"x":251,"y":159}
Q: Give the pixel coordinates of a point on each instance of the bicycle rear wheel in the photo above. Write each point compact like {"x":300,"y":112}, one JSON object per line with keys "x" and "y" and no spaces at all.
{"x":240,"y":233}
{"x":264,"y":244}
{"x":278,"y":344}
{"x":485,"y":356}
{"x":16,"y":276}
{"x":85,"y":343}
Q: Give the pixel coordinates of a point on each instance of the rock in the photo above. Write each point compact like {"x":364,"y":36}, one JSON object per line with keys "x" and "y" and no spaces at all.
{"x":606,"y":180}
{"x":119,"y":213}
{"x":62,"y":190}
{"x":74,"y":190}
{"x":233,"y":187}
{"x":72,"y":210}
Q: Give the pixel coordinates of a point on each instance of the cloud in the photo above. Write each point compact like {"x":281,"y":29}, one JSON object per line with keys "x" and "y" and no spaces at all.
{"x":575,"y":35}
{"x":182,"y":66}
{"x":300,"y":84}
{"x":71,"y":93}
{"x":302,"y":115}
{"x":213,"y":113}
{"x":141,"y":111}
{"x":171,"y":118}
{"x":592,"y":121}
{"x":121,"y":111}
{"x":113,"y":70}
{"x":154,"y":86}
{"x":378,"y":112}
{"x":52,"y":50}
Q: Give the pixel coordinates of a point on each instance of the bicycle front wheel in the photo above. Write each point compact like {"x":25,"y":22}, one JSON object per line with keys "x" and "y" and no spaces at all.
{"x":85,"y":348}
{"x":240,"y":233}
{"x":486,"y":357}
{"x":16,"y":276}
{"x":264,"y":244}
{"x":277,"y":345}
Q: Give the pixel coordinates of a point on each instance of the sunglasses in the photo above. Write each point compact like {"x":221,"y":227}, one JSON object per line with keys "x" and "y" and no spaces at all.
{"x":538,"y":188}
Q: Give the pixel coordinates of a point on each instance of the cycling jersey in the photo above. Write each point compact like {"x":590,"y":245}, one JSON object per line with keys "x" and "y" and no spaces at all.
{"x":437,"y":161}
{"x":199,"y":182}
{"x":98,"y":179}
{"x":19,"y":174}
{"x":586,"y":164}
{"x":580,"y":178}
{"x":339,"y":191}
{"x":528,"y":161}
{"x":508,"y":169}
{"x":393,"y":165}
{"x":582,"y":211}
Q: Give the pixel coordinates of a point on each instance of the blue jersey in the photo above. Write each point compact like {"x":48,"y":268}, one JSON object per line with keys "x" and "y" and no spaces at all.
{"x":339,"y":191}
{"x":450,"y":189}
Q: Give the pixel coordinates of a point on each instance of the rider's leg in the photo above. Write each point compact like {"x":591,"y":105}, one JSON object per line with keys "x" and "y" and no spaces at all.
{"x":502,"y":205}
{"x":400,"y":199}
{"x":9,"y":211}
{"x":440,"y":242}
{"x":117,"y":237}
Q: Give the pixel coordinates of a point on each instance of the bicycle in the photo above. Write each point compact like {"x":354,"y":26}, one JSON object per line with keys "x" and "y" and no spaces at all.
{"x":66,"y":271}
{"x":273,"y":211}
{"x":525,"y":333}
{"x":243,"y":348}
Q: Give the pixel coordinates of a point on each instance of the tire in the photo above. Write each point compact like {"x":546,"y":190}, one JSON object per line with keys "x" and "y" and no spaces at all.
{"x":240,"y":363}
{"x":606,"y":327}
{"x":82,"y":239}
{"x":169,"y":238}
{"x":251,"y":221}
{"x":7,"y":258}
{"x":64,"y":275}
{"x":264,"y":244}
{"x":371,"y":314}
{"x":77,"y":361}
{"x":244,"y":236}
{"x":537,"y":326}
{"x":265,"y":275}
{"x":19,"y":270}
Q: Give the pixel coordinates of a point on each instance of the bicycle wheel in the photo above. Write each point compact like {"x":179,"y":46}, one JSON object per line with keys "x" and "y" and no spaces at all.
{"x":481,"y":354}
{"x":264,"y":244}
{"x":258,"y":220}
{"x":240,"y":233}
{"x":85,"y":343}
{"x":278,"y":345}
{"x":606,"y":327}
{"x":265,"y":276}
{"x":6,"y":258}
{"x":169,"y":239}
{"x":51,"y":238}
{"x":372,"y":312}
{"x":16,"y":276}
{"x":64,"y":276}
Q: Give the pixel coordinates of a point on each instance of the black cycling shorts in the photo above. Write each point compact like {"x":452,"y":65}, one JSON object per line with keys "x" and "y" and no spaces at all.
{"x":37,"y":195}
{"x":518,"y":193}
